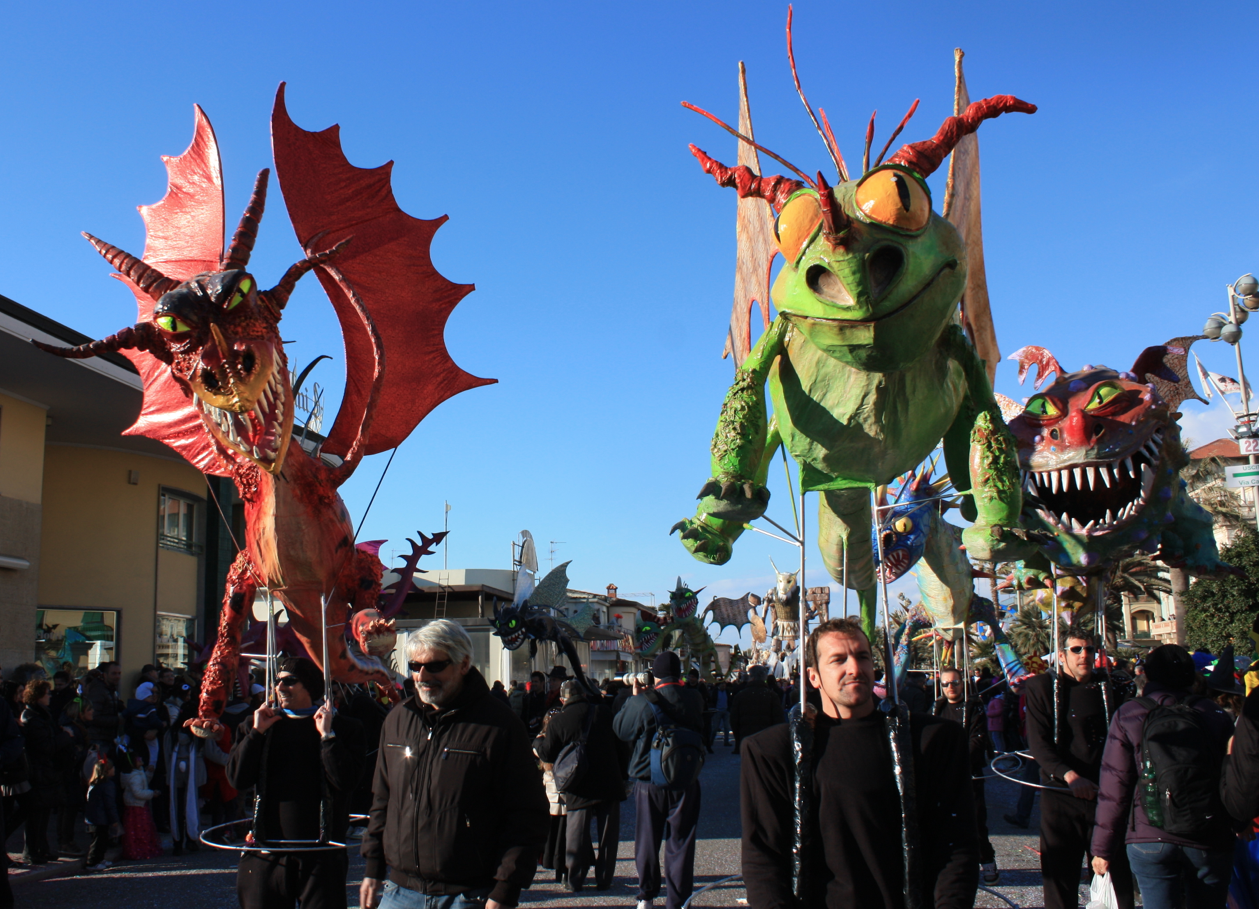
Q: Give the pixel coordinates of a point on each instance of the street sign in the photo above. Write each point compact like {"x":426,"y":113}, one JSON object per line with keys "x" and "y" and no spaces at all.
{"x":1248,"y":446}
{"x":1242,"y":476}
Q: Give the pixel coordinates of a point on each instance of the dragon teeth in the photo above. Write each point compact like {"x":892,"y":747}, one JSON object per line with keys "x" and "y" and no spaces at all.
{"x":1147,"y":480}
{"x":1089,"y":526}
{"x":1091,"y":473}
{"x":1110,"y":516}
{"x":1079,"y":479}
{"x":1127,"y":462}
{"x":1053,"y":480}
{"x":1105,"y":472}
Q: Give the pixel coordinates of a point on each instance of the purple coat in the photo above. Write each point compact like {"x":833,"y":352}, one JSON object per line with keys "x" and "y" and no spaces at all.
{"x":1118,"y":821}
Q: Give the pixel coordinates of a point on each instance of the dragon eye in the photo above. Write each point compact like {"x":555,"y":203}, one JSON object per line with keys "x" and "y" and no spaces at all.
{"x":172,"y":325}
{"x":512,"y":623}
{"x":1041,"y":406}
{"x":797,"y":223}
{"x":894,"y":198}
{"x":903,"y":525}
{"x":1104,"y":394}
{"x":242,"y":291}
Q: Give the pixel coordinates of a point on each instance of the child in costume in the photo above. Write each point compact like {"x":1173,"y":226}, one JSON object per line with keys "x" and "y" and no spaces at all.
{"x":139,"y":833}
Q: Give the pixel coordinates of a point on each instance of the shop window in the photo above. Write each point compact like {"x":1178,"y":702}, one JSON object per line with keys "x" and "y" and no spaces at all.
{"x":75,"y":640}
{"x":171,"y":640}
{"x":178,"y":527}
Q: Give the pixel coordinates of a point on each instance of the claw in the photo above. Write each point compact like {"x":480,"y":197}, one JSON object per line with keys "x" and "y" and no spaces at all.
{"x":749,"y":490}
{"x":711,"y":488}
{"x":726,"y":487}
{"x":691,"y":533}
{"x":680,"y":525}
{"x":701,"y":546}
{"x":763,"y":494}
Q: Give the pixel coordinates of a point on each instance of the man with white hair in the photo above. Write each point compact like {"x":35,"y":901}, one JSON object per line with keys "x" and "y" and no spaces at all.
{"x":458,"y":808}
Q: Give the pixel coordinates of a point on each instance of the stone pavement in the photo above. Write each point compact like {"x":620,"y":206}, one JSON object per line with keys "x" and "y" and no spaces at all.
{"x":206,"y":879}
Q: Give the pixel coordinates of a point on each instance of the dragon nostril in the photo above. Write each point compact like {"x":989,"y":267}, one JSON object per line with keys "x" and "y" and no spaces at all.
{"x":209,"y":379}
{"x":826,"y":285}
{"x":1097,"y":430}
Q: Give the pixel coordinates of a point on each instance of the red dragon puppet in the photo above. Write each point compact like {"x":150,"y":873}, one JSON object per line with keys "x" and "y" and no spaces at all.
{"x":216,"y":381}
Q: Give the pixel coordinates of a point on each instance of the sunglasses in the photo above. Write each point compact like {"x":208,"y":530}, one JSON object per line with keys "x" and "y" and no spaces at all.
{"x":1080,"y":648}
{"x":433,"y":666}
{"x":287,"y":681}
{"x":950,"y":684}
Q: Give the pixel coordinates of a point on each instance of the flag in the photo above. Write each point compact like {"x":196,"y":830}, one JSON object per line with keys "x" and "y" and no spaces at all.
{"x":1226,"y":385}
{"x":1202,"y":376}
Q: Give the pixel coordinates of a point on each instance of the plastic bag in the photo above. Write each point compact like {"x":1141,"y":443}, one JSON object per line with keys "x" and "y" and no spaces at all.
{"x":1102,"y":893}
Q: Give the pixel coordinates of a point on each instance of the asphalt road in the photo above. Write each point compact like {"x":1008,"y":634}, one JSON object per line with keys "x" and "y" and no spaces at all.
{"x":206,"y":879}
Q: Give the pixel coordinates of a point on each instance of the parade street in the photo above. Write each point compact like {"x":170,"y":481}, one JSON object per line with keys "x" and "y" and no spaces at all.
{"x":207,"y":879}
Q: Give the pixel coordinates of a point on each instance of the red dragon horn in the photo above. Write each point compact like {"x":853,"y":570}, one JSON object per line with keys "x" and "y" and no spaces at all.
{"x":278,"y":296}
{"x":774,"y":190}
{"x":924,"y":157}
{"x":247,"y":233}
{"x":143,"y":336}
{"x":143,"y":276}
{"x":1045,"y":362}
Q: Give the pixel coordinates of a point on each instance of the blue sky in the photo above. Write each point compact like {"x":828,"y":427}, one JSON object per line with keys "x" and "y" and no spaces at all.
{"x":553,"y":137}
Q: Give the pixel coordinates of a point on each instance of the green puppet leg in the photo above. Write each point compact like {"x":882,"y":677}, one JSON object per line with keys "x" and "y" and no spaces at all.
{"x":843,"y":520}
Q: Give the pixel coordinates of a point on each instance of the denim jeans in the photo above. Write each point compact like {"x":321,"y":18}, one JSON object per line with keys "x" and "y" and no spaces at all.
{"x":1171,"y":876}
{"x":395,"y":897}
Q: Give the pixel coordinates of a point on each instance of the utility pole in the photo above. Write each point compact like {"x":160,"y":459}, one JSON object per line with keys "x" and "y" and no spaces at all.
{"x":446,"y":538}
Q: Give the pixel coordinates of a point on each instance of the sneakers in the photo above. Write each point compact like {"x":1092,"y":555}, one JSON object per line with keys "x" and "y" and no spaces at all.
{"x":990,"y":873}
{"x":103,"y":866}
{"x":1015,"y":821}
{"x":644,"y":904}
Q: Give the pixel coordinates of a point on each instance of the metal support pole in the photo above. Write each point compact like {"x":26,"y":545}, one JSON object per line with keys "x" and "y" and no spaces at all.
{"x":1245,"y":391}
{"x":803,"y":627}
{"x":845,"y":544}
{"x":888,"y":673}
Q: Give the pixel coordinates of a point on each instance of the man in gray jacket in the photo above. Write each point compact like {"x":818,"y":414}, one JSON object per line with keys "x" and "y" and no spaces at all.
{"x":655,"y":805}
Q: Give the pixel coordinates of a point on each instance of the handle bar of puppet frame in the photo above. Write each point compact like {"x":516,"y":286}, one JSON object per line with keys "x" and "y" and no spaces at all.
{"x":274,"y":845}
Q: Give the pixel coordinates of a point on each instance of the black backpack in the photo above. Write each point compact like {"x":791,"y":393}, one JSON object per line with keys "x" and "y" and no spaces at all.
{"x":1180,"y":769}
{"x":570,"y":765}
{"x":677,"y":752}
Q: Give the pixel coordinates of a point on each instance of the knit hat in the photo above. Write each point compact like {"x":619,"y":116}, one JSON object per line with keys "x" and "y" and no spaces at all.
{"x":1170,"y":665}
{"x":144,"y":691}
{"x":666,"y":666}
{"x":307,"y":673}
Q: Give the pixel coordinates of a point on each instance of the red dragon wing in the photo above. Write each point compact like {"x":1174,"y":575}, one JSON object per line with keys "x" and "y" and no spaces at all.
{"x":184,"y":238}
{"x":388,"y":263}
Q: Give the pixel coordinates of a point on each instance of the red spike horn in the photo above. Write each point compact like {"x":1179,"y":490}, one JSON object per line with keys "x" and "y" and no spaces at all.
{"x":278,"y":296}
{"x":143,"y":276}
{"x":774,"y":190}
{"x":247,"y":232}
{"x":924,"y":157}
{"x":142,"y":336}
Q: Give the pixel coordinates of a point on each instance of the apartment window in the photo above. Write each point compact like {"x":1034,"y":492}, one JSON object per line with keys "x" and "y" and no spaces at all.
{"x":171,"y":640}
{"x":178,"y":527}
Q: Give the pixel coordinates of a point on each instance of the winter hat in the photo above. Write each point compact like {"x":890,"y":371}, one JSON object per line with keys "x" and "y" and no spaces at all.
{"x":144,"y":691}
{"x":307,"y":673}
{"x":1170,"y":665}
{"x":1222,"y":677}
{"x":666,"y":666}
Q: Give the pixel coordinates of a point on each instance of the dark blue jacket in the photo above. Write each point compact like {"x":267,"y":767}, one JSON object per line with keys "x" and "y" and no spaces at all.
{"x":636,"y":723}
{"x":102,"y":804}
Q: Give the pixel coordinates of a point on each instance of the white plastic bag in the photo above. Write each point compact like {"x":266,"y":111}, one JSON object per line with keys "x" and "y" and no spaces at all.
{"x":1102,"y":893}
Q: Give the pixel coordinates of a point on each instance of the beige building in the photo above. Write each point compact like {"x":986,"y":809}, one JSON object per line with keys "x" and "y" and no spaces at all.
{"x":102,"y":535}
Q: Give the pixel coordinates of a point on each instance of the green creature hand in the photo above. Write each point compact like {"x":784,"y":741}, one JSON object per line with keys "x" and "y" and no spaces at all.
{"x":704,"y":539}
{"x":733,"y":499}
{"x":1029,"y":577}
{"x":998,"y":496}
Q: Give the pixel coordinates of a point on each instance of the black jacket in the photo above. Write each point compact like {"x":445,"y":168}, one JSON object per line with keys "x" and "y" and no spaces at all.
{"x":458,"y":802}
{"x":49,"y":748}
{"x":1239,"y":786}
{"x":602,"y":781}
{"x":976,"y":726}
{"x":855,"y":844}
{"x":291,"y":767}
{"x":636,"y":723}
{"x":754,"y":708}
{"x":1082,"y":726}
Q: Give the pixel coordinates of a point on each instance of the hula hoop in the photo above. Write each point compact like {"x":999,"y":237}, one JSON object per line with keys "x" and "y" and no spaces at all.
{"x":228,"y":847}
{"x":1019,"y":756}
{"x":1000,"y":896}
{"x":713,"y":886}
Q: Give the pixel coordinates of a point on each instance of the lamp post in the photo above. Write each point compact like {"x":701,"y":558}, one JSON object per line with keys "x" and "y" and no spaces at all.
{"x":1243,"y":299}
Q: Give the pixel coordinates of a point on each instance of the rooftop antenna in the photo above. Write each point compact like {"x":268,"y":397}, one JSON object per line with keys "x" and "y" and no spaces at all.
{"x":553,"y":544}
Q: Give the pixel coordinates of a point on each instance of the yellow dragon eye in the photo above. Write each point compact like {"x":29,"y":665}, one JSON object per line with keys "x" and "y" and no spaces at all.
{"x":1041,"y":406}
{"x":242,"y":291}
{"x":172,"y":325}
{"x":1103,"y":395}
{"x":895,"y":198}
{"x":903,"y":525}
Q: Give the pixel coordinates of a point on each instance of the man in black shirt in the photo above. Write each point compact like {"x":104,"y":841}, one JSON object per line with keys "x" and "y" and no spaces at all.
{"x":970,"y":714}
{"x":1070,"y":757}
{"x":856,"y":854}
{"x":305,"y":763}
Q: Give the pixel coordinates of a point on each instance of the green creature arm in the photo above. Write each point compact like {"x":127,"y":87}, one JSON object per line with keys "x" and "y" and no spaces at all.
{"x":743,"y":444}
{"x":957,"y":440}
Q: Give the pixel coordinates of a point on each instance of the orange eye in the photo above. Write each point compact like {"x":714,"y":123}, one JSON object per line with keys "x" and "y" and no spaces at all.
{"x":797,"y":223}
{"x":894,"y":198}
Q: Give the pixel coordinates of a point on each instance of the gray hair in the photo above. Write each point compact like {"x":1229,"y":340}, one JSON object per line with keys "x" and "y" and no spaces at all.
{"x":440,"y":634}
{"x":572,"y":690}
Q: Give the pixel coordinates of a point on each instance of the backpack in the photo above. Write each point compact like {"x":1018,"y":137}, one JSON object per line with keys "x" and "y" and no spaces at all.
{"x":677,"y":753}
{"x":1180,"y":769}
{"x":571,"y":763}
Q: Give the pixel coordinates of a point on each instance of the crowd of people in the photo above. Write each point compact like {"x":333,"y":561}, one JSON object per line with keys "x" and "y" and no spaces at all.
{"x":461,"y":790}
